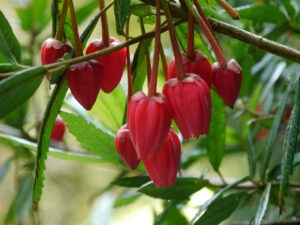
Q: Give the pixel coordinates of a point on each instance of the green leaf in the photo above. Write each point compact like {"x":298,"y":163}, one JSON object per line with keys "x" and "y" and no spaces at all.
{"x":132,"y":181}
{"x":109,"y":108}
{"x":170,"y":216}
{"x":183,"y":188}
{"x":289,"y":147}
{"x":17,"y":88}
{"x":221,"y":209}
{"x":49,"y":118}
{"x":92,"y":138}
{"x":251,"y":156}
{"x":18,"y":116}
{"x":7,"y":67}
{"x":262,"y":13}
{"x":217,"y":196}
{"x":269,"y":144}
{"x":86,"y":10}
{"x":262,"y":206}
{"x":21,"y":202}
{"x":139,"y":65}
{"x":55,"y":152}
{"x":216,"y":136}
{"x":4,"y":168}
{"x":126,"y":199}
{"x":142,"y":10}
{"x":289,"y":7}
{"x":121,"y":8}
{"x":9,"y":46}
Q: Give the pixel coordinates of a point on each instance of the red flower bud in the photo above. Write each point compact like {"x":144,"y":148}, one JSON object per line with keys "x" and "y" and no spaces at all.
{"x":228,"y":82}
{"x":52,"y":50}
{"x":112,"y":64}
{"x":58,"y":130}
{"x":125,"y":147}
{"x":163,"y":168}
{"x":83,"y":80}
{"x":191,"y":103}
{"x":199,"y":66}
{"x":149,"y":120}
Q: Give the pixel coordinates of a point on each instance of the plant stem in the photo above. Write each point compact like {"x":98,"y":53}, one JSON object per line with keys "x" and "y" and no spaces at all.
{"x":163,"y":61}
{"x":153,"y":79}
{"x":77,"y":41}
{"x":201,"y":13}
{"x":190,"y":41}
{"x":234,"y":15}
{"x":60,"y":28}
{"x":209,"y":35}
{"x":129,"y":80}
{"x":177,"y":55}
{"x":147,"y":55}
{"x":105,"y":31}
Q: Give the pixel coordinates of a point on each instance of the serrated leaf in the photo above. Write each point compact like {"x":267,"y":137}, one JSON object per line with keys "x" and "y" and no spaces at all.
{"x":132,"y":181}
{"x":21,"y":202}
{"x":262,"y":13}
{"x":289,"y":147}
{"x":217,"y":196}
{"x":262,"y":206}
{"x":121,"y":8}
{"x":4,"y":168}
{"x":221,"y":209}
{"x":216,"y":135}
{"x":17,"y":88}
{"x":270,"y":142}
{"x":183,"y":188}
{"x":109,"y":108}
{"x":9,"y":46}
{"x":92,"y":138}
{"x":55,"y":152}
{"x":139,"y":64}
{"x":47,"y":125}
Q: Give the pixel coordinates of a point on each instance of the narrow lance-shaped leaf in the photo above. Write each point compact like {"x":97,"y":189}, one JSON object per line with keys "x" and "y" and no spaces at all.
{"x":217,"y":196}
{"x":47,"y":125}
{"x":9,"y":46}
{"x":221,"y":209}
{"x":289,"y":148}
{"x":251,"y":156}
{"x":270,"y":142}
{"x":262,"y":206}
{"x":16,"y":89}
{"x":121,"y":13}
{"x":4,"y":168}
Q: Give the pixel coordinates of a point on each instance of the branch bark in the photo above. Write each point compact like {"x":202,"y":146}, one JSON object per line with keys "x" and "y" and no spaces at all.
{"x":240,"y":34}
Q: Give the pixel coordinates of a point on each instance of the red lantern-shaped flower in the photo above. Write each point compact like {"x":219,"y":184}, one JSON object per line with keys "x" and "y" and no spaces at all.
{"x":228,"y":82}
{"x":53,"y":49}
{"x":190,"y":101}
{"x":125,"y":147}
{"x":83,"y":80}
{"x":149,"y":120}
{"x":113,"y":63}
{"x":200,"y":66}
{"x":163,"y":168}
{"x":59,"y":130}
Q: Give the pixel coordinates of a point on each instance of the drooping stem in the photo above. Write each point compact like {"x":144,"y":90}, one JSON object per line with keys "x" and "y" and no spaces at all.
{"x":77,"y":41}
{"x":209,"y":35}
{"x":201,"y":13}
{"x":153,"y":79}
{"x":105,"y":31}
{"x":234,"y":15}
{"x":190,"y":51}
{"x":177,"y":55}
{"x":147,"y":55}
{"x":163,"y":61}
{"x":60,"y":28}
{"x":129,"y":79}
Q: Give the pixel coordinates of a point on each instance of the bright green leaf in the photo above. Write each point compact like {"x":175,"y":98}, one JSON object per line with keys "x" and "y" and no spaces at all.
{"x":17,"y":88}
{"x":127,"y":199}
{"x":92,"y":138}
{"x":183,"y":188}
{"x":9,"y":46}
{"x":170,"y":216}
